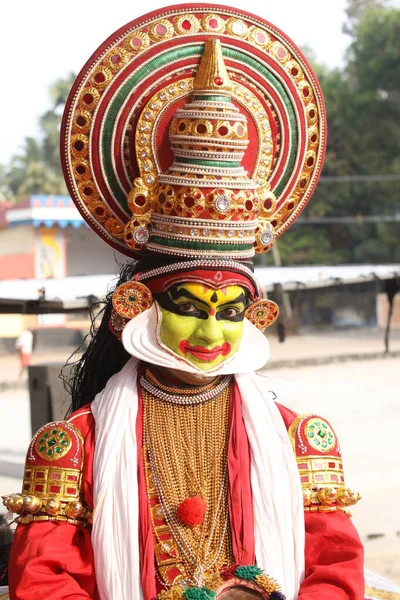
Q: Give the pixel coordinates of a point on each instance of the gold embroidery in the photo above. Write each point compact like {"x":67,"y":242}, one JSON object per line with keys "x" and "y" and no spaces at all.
{"x":161,"y":30}
{"x":53,"y":443}
{"x":321,"y":476}
{"x":376,"y":594}
{"x":52,"y":493}
{"x":52,"y":482}
{"x":320,"y":470}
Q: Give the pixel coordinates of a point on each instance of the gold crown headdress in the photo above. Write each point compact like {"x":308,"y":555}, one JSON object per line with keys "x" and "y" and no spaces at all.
{"x":193,"y":132}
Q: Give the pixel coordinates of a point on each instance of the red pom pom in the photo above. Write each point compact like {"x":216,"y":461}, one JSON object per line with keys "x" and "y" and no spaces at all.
{"x":228,"y":572}
{"x":192,"y":510}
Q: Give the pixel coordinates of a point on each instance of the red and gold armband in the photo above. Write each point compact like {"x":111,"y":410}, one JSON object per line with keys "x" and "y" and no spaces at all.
{"x":52,"y":487}
{"x":320,"y":465}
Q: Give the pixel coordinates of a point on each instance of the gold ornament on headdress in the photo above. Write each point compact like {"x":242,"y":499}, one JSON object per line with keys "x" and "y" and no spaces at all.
{"x":252,"y":104}
{"x":212,"y":73}
{"x":206,"y":201}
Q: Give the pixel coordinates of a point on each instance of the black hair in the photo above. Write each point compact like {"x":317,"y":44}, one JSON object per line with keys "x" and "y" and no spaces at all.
{"x":105,"y":355}
{"x":6,"y":538}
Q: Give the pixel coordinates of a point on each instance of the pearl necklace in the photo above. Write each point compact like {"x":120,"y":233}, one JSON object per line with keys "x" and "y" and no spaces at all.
{"x":191,"y":396}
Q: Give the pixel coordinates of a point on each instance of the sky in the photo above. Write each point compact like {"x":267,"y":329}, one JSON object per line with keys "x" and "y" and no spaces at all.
{"x":43,"y":40}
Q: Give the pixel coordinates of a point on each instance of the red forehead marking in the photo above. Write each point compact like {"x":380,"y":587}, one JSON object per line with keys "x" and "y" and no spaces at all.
{"x":206,"y":288}
{"x":212,"y":312}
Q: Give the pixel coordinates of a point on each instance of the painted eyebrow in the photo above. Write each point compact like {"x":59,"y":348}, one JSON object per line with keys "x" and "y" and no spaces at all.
{"x":240,"y":298}
{"x":175,"y":294}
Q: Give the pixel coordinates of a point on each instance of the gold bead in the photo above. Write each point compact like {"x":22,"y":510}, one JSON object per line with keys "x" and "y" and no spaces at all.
{"x":32,"y":504}
{"x":53,"y":507}
{"x":14,"y":503}
{"x":327,"y":495}
{"x":347,"y":497}
{"x":73,"y":509}
{"x":307,"y":497}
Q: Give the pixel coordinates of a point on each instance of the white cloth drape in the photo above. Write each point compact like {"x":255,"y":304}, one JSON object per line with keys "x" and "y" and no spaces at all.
{"x":115,"y":488}
{"x":277,"y":496}
{"x":278,"y":510}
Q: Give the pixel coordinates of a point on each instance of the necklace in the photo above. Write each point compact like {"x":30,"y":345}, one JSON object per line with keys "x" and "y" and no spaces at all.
{"x":186,"y":445}
{"x":184,"y":395}
{"x":187,"y":388}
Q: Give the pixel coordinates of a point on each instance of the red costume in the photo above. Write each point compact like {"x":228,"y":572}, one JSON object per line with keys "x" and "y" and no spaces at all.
{"x":55,"y":559}
{"x":192,"y":138}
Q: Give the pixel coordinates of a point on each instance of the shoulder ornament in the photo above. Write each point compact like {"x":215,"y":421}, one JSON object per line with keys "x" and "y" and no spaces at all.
{"x":52,"y":486}
{"x":319,"y":461}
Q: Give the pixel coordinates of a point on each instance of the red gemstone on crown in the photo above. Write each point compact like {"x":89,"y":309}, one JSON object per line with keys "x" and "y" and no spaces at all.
{"x":218,"y":80}
{"x":161,"y":30}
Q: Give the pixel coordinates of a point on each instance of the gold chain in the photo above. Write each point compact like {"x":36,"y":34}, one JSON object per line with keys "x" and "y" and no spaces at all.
{"x":188,"y":446}
{"x":190,"y":390}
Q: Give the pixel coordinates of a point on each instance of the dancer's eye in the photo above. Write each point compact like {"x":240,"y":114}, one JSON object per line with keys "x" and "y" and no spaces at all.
{"x":228,"y":312}
{"x":188,"y":308}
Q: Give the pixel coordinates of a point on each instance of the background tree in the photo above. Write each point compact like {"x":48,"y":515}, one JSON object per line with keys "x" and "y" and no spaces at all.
{"x":363,"y":108}
{"x":36,"y":170}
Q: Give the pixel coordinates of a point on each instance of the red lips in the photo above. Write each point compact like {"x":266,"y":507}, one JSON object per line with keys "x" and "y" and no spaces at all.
{"x":206,"y":354}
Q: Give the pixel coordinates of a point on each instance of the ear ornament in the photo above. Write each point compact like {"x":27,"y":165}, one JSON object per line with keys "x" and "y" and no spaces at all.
{"x":262,"y":313}
{"x":131,"y":298}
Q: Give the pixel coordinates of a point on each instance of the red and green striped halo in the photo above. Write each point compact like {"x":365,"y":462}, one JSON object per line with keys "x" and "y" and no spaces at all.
{"x":118,"y":114}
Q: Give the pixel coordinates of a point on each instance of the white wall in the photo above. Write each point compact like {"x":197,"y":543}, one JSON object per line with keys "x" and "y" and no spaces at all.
{"x":16,"y":240}
{"x":87,"y":254}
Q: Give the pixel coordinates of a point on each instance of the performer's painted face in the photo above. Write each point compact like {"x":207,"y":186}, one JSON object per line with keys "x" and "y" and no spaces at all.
{"x":202,"y":324}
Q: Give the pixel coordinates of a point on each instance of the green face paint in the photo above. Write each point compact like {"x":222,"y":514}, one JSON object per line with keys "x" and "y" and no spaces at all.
{"x":201,"y":324}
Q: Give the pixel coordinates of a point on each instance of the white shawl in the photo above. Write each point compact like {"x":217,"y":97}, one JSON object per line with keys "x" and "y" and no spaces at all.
{"x":278,"y":505}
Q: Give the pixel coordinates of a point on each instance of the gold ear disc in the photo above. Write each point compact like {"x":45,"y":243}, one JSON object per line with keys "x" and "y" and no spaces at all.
{"x":131,"y":298}
{"x":262,"y":313}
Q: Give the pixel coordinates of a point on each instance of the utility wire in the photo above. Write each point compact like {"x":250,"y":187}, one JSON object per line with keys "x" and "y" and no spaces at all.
{"x":357,"y":178}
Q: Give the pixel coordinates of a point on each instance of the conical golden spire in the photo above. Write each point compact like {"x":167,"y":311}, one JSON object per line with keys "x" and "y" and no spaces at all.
{"x":212,"y":73}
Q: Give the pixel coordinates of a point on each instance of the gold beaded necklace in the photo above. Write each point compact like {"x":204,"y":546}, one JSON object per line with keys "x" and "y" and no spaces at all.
{"x":187,"y":447}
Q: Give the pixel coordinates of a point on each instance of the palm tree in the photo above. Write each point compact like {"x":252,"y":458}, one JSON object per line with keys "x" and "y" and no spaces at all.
{"x":36,"y":170}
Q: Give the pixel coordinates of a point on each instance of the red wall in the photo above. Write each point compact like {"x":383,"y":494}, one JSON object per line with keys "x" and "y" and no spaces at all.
{"x":17,"y":266}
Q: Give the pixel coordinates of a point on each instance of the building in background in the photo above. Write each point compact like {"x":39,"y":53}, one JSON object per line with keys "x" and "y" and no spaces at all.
{"x":45,"y":237}
{"x":47,"y":249}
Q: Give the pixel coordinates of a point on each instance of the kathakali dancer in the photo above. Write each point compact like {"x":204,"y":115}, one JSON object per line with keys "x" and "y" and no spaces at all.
{"x":192,"y":138}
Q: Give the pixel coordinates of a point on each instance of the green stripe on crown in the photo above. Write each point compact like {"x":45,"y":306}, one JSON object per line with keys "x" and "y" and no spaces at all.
{"x":212,"y":98}
{"x":195,"y":245}
{"x":208,"y":163}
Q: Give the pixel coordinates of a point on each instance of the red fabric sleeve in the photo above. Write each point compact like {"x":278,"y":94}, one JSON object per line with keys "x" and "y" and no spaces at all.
{"x":334,"y":555}
{"x":334,"y":559}
{"x":53,"y":561}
